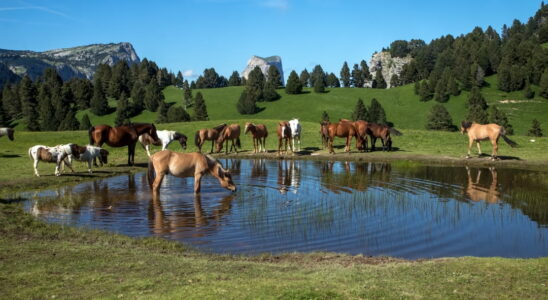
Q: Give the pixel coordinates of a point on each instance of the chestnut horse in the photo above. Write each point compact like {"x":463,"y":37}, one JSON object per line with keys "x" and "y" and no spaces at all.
{"x":284,"y":136}
{"x":361,"y":127}
{"x":230,"y":132}
{"x":207,"y":134}
{"x":344,"y":129}
{"x":383,"y":132}
{"x":186,"y":165}
{"x":477,"y":132}
{"x":259,"y":133}
{"x":125,"y":135}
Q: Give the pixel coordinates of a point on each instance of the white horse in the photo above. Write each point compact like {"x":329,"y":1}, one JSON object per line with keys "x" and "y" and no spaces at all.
{"x":295,"y":133}
{"x":165,"y":137}
{"x":91,"y":153}
{"x":7,"y":131}
{"x":55,"y":155}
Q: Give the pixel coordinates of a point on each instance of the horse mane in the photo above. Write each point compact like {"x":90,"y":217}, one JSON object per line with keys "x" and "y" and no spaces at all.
{"x":220,"y":127}
{"x":466,"y":124}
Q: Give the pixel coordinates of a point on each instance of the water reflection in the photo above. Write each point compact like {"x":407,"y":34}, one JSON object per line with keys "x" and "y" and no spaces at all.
{"x":478,"y":192}
{"x":289,"y":176}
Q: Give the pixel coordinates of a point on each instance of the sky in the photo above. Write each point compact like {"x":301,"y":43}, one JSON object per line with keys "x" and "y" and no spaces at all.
{"x":191,"y":35}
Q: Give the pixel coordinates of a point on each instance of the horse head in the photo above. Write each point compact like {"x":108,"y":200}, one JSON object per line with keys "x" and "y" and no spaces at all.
{"x":225,"y":178}
{"x":152,"y":132}
{"x":464,"y":126}
{"x":181,"y":138}
{"x":103,"y":156}
{"x":247,"y":127}
{"x":295,"y":127}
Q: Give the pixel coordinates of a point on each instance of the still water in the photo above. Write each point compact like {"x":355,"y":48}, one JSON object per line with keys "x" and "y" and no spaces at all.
{"x":364,"y":208}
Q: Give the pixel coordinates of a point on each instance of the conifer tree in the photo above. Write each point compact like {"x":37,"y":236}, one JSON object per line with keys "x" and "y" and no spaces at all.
{"x":138,"y":96}
{"x":179,"y":80}
{"x":476,"y":98}
{"x":440,"y":119}
{"x":504,"y":76}
{"x":269,"y":92}
{"x":10,"y":102}
{"x":476,"y":107}
{"x":499,"y":117}
{"x":162,"y":113}
{"x":394,"y":81}
{"x":200,"y":109}
{"x":119,"y":80}
{"x":304,"y":78}
{"x":4,"y":119}
{"x":293,"y":85}
{"x":535,"y":129}
{"x":528,"y":93}
{"x":70,"y":122}
{"x":255,"y":84}
{"x":357,"y":77}
{"x":153,"y":96}
{"x":453,"y":87}
{"x":424,"y":92}
{"x":360,"y":112}
{"x":441,"y":94}
{"x":543,"y":85}
{"x":274,"y":77}
{"x":366,"y":75}
{"x":379,"y":79}
{"x":325,"y":116}
{"x":187,"y":95}
{"x":417,"y":87}
{"x":319,"y":86}
{"x":177,"y":114}
{"x":234,"y":79}
{"x":85,"y":124}
{"x":99,"y":104}
{"x":376,"y":113}
{"x":122,"y":111}
{"x":27,"y":95}
{"x":345,"y":75}
{"x":318,"y":75}
{"x":46,"y":111}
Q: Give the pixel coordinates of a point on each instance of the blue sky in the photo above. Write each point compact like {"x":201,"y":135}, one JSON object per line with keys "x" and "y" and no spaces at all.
{"x":192,"y":35}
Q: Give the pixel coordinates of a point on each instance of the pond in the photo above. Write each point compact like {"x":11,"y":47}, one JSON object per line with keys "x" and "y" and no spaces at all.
{"x":403,"y":210}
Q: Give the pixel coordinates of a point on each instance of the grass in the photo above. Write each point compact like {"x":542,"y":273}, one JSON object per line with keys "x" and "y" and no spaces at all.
{"x":51,"y":261}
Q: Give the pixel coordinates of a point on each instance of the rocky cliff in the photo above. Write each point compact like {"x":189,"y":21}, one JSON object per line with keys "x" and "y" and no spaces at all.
{"x":69,"y":62}
{"x":264,"y":64}
{"x":389,"y":65}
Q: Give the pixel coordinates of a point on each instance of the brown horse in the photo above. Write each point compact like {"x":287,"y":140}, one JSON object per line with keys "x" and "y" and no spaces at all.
{"x":230,"y":132}
{"x":477,"y":132}
{"x":186,"y":165}
{"x":361,"y":133}
{"x":284,"y":136}
{"x":125,"y":135}
{"x":259,"y":133}
{"x":383,"y":132}
{"x":207,"y":134}
{"x":344,"y":129}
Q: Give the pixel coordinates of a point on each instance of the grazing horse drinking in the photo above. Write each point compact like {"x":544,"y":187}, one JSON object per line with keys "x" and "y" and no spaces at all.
{"x":295,"y":133}
{"x":230,"y":132}
{"x":342,"y":129}
{"x":186,"y":165}
{"x":165,"y":137}
{"x":361,"y":128}
{"x":259,"y":133}
{"x":477,"y":132}
{"x":7,"y":131}
{"x":125,"y":135}
{"x":284,"y":136}
{"x":383,"y":132}
{"x":206,"y":134}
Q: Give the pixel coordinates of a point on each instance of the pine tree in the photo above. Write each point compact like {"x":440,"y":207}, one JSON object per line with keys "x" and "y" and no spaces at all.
{"x":304,"y":79}
{"x":85,"y":124}
{"x":345,"y":75}
{"x":200,"y":109}
{"x":119,"y":80}
{"x":70,"y":122}
{"x":476,"y":107}
{"x":27,"y":95}
{"x":293,"y":85}
{"x":122,"y":111}
{"x":138,"y":95}
{"x":417,"y":87}
{"x":318,"y":75}
{"x":424,"y":92}
{"x":255,"y":84}
{"x":187,"y":95}
{"x":366,"y":75}
{"x":234,"y":79}
{"x":319,"y":86}
{"x":325,"y":116}
{"x":162,"y":113}
{"x":357,"y":77}
{"x":499,"y":117}
{"x":153,"y":96}
{"x":333,"y":81}
{"x":4,"y":119}
{"x":395,"y":81}
{"x":535,"y":129}
{"x":377,"y":113}
{"x":274,"y":77}
{"x":99,"y":104}
{"x":504,"y":76}
{"x":528,"y":93}
{"x":440,"y":119}
{"x":453,"y":87}
{"x":269,"y":92}
{"x":11,"y":103}
{"x":177,"y":114}
{"x":360,"y":112}
{"x":379,"y":79}
{"x":179,"y":80}
{"x":441,"y":94}
{"x":476,"y":98}
{"x":543,"y":85}
{"x":46,"y":110}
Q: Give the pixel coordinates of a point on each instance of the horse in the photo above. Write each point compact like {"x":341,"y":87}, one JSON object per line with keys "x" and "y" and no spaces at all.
{"x":342,"y":129}
{"x":207,"y":134}
{"x":383,"y":132}
{"x":477,"y":132}
{"x":259,"y":134}
{"x":284,"y":134}
{"x":165,"y":137}
{"x":125,"y":135}
{"x":295,"y":133}
{"x":324,"y":134}
{"x":89,"y":155}
{"x":361,"y":127}
{"x":477,"y":193}
{"x":55,"y":155}
{"x":230,"y":132}
{"x":186,"y":165}
{"x":7,"y":131}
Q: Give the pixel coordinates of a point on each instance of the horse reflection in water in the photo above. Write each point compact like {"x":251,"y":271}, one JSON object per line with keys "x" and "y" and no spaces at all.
{"x":289,"y":176}
{"x":478,"y":193}
{"x":188,"y":222}
{"x":258,"y":168}
{"x":347,"y":177}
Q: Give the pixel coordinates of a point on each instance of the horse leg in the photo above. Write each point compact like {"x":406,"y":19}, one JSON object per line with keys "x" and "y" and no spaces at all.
{"x":197,"y":182}
{"x":479,"y":148}
{"x":148,"y":150}
{"x":212,"y":147}
{"x":470,"y":142}
{"x":494,"y":142}
{"x":131,"y":154}
{"x":100,"y":144}
{"x":158,"y":181}
{"x":36,"y":167}
{"x":373,"y":142}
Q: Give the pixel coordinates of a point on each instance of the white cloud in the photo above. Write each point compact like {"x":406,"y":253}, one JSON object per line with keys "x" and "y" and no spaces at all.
{"x":278,"y":4}
{"x":189,"y":74}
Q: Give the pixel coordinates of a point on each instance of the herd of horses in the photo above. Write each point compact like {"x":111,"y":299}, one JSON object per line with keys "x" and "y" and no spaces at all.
{"x":198,"y":164}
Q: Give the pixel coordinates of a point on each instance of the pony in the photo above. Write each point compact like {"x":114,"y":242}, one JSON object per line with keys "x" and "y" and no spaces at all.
{"x":477,"y":132}
{"x":89,"y":155}
{"x":230,"y":132}
{"x":284,"y":134}
{"x":125,"y":135}
{"x":295,"y":133}
{"x":186,"y":165}
{"x":206,"y":134}
{"x":342,"y":129}
{"x":361,"y":128}
{"x":383,"y":132}
{"x":259,"y":134}
{"x":7,"y":131}
{"x":165,"y":137}
{"x":55,"y":155}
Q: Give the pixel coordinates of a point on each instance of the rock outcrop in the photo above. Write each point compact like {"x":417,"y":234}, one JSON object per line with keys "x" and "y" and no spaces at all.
{"x":69,"y":62}
{"x":389,"y":66}
{"x":264,"y":64}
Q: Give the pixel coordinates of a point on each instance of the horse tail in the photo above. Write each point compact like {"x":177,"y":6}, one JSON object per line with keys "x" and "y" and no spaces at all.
{"x":90,"y":133}
{"x":197,"y":139}
{"x":507,"y":140}
{"x":150,"y":173}
{"x":238,"y":144}
{"x":394,"y":131}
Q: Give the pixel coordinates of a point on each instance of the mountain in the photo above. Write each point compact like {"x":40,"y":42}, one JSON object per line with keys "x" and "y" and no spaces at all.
{"x":264,"y":64}
{"x":70,"y":62}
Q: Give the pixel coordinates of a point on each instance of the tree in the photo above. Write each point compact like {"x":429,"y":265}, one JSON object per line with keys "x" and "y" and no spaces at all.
{"x":417,"y":87}
{"x":499,"y":117}
{"x":399,"y":48}
{"x":535,"y":129}
{"x":357,"y":77}
{"x":440,"y":119}
{"x":424,"y":92}
{"x":27,"y":96}
{"x":304,"y":79}
{"x":318,"y":75}
{"x":200,"y":109}
{"x":269,"y":92}
{"x":4,"y":119}
{"x":179,"y":80}
{"x":379,"y":79}
{"x":234,"y":79}
{"x":528,"y":93}
{"x":82,"y":90}
{"x":319,"y":86}
{"x":333,"y":81}
{"x":70,"y":122}
{"x":504,"y":76}
{"x":210,"y":79}
{"x":366,"y":75}
{"x":177,"y":114}
{"x":123,"y":112}
{"x":138,"y":95}
{"x":394,"y":81}
{"x":345,"y":75}
{"x":360,"y":112}
{"x":255,"y":84}
{"x":293,"y":85}
{"x":246,"y":104}
{"x":85,"y":124}
{"x":187,"y":95}
{"x":325,"y":116}
{"x":377,"y":113}
{"x":453,"y":87}
{"x":153,"y":96}
{"x":274,"y":77}
{"x":544,"y":84}
{"x":46,"y":111}
{"x":10,"y":102}
{"x":99,"y":104}
{"x":476,"y":98}
{"x":162,"y":113}
{"x":119,"y":80}
{"x":441,"y":94}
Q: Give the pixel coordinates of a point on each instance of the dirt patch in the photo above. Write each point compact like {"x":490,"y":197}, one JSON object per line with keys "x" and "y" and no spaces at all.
{"x":517,"y":101}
